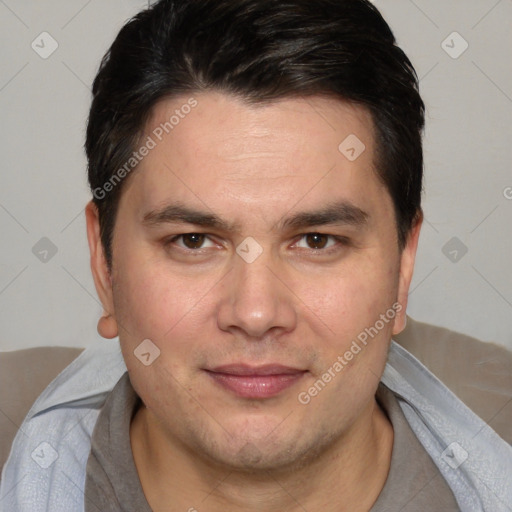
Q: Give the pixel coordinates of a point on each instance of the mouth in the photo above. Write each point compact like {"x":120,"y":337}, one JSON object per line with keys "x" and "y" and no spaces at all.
{"x":256,"y":382}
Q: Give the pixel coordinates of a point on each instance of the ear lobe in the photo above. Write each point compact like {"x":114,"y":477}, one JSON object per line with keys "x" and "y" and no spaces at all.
{"x":407,"y":260}
{"x":107,"y":326}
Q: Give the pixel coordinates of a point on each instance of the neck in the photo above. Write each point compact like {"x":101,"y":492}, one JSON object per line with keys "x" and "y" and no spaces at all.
{"x":347,"y":477}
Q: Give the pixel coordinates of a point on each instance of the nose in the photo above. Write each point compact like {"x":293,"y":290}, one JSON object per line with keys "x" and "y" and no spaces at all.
{"x":256,"y":301}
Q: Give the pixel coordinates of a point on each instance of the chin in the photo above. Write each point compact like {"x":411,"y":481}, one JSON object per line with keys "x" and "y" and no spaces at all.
{"x":263,"y":454}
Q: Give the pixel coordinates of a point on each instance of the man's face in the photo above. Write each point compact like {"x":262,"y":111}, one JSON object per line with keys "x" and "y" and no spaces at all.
{"x":251,"y":308}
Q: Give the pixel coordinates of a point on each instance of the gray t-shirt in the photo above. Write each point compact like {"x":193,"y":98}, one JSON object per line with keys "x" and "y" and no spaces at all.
{"x":112,"y":484}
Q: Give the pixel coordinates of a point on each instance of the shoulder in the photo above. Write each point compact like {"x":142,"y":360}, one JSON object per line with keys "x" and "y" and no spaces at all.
{"x":24,"y":374}
{"x":479,"y":373}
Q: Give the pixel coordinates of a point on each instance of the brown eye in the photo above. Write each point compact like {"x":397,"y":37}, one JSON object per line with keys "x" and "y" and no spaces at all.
{"x":317,"y":240}
{"x":193,"y":240}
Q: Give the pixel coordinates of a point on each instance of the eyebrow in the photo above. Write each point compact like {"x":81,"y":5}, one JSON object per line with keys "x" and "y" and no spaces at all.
{"x":338,"y":213}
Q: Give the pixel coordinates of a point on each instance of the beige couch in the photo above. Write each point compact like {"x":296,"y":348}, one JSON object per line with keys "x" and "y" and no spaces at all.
{"x":480,"y":374}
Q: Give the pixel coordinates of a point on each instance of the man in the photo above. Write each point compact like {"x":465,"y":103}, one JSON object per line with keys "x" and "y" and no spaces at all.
{"x":256,"y":168}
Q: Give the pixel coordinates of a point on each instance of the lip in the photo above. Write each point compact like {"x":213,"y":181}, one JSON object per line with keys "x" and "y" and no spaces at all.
{"x":256,"y":382}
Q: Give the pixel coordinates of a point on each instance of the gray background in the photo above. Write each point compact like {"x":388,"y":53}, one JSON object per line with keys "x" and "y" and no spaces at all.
{"x":49,"y":299}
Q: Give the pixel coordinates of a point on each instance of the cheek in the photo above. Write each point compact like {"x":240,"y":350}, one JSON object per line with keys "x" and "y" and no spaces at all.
{"x":355,"y":352}
{"x":350,"y":300}
{"x":150,"y":302}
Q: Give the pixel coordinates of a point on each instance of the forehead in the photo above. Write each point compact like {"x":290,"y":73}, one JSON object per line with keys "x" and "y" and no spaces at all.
{"x":215,"y":150}
{"x":227,"y":127}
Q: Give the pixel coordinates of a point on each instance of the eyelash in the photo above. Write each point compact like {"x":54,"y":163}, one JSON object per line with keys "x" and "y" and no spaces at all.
{"x":341,"y":241}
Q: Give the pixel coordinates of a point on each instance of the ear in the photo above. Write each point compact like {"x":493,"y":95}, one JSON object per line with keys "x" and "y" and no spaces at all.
{"x":107,"y":325}
{"x":407,"y":260}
